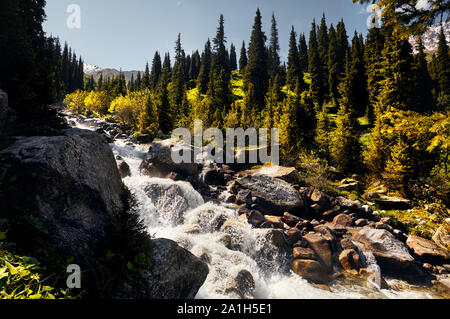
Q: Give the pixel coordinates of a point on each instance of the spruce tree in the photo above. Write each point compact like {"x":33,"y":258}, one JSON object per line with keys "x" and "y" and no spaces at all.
{"x":303,"y":53}
{"x":359,"y":75}
{"x":323,"y":44}
{"x":294,"y":73}
{"x":233,"y":58}
{"x":346,"y":150}
{"x":256,"y":70}
{"x":163,"y":104}
{"x":333,"y":66}
{"x":156,"y":70}
{"x":317,"y":86}
{"x":323,"y":139}
{"x":243,"y":57}
{"x":205,"y":69}
{"x":443,"y":72}
{"x":146,"y":84}
{"x":422,"y":81}
{"x":274,"y":48}
{"x":342,"y":46}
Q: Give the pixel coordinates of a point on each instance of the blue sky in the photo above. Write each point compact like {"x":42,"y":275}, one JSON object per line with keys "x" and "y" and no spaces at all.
{"x":125,"y":34}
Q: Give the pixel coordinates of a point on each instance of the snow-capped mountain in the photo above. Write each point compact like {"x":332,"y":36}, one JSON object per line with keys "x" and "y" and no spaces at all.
{"x":431,"y":37}
{"x":89,"y":68}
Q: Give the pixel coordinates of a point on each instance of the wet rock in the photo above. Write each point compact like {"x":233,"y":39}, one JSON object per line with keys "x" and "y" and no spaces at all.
{"x":255,"y":218}
{"x":124,"y":168}
{"x":391,"y":254}
{"x":274,"y":236}
{"x":322,"y":248}
{"x":175,"y":272}
{"x":290,"y":219}
{"x":352,"y":205}
{"x":384,"y":226}
{"x":374,"y":277}
{"x":275,"y":220}
{"x":311,"y":270}
{"x":293,"y":235}
{"x":159,"y":161}
{"x":304,"y":253}
{"x":350,"y":259}
{"x":288,"y":174}
{"x":212,"y":176}
{"x":347,"y":244}
{"x":427,"y":250}
{"x":329,"y":214}
{"x":443,"y":284}
{"x":244,"y":196}
{"x":320,"y":199}
{"x":350,"y":187}
{"x":273,"y":196}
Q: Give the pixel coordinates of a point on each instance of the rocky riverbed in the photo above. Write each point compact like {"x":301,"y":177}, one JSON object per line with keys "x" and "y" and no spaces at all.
{"x":263,"y":236}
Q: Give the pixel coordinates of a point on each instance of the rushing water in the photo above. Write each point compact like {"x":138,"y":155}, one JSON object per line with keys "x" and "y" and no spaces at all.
{"x":184,"y":217}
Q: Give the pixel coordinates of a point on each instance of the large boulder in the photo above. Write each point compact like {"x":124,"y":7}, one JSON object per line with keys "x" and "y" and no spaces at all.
{"x":273,"y":196}
{"x":175,"y":272}
{"x":69,"y":183}
{"x":427,"y":250}
{"x":311,"y":270}
{"x":4,"y":108}
{"x":391,"y":254}
{"x":159,"y":161}
{"x":387,"y":203}
{"x":442,"y":236}
{"x":288,"y":174}
{"x":322,"y":247}
{"x":172,"y":199}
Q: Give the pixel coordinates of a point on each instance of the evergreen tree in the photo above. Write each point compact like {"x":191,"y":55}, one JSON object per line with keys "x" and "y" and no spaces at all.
{"x":167,"y":64}
{"x":422,"y":81}
{"x":294,"y":72}
{"x":163,"y":104}
{"x":333,"y":66}
{"x":346,"y":150}
{"x":322,"y":45}
{"x":233,"y":58}
{"x":100,"y":83}
{"x":303,"y":53}
{"x":138,"y":81}
{"x":205,"y":69}
{"x":317,"y":86}
{"x":443,"y":72}
{"x":146,"y":84}
{"x":256,"y":70}
{"x":243,"y":57}
{"x":373,"y":59}
{"x":358,"y":70}
{"x":274,"y":48}
{"x":220,"y":55}
{"x":323,"y":139}
{"x":342,"y":46}
{"x":195,"y":66}
{"x":156,"y":71}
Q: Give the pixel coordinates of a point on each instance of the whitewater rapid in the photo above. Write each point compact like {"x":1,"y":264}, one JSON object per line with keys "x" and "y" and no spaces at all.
{"x":197,"y":229}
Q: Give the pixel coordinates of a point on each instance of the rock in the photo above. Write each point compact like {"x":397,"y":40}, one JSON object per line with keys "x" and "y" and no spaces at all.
{"x":372,"y":196}
{"x":304,"y":253}
{"x":290,"y":219}
{"x":275,"y":220}
{"x":288,"y":174}
{"x":244,"y":284}
{"x":443,"y":284}
{"x":350,"y":260}
{"x":175,"y":273}
{"x":352,"y":205}
{"x":342,"y":221}
{"x":144,"y":139}
{"x":347,"y":244}
{"x":321,"y":247}
{"x":172,"y":199}
{"x":255,"y":218}
{"x":389,"y":203}
{"x":124,"y":169}
{"x":244,"y":196}
{"x":332,"y":212}
{"x":5,"y":110}
{"x":159,"y":161}
{"x":71,"y":184}
{"x":294,"y":235}
{"x":427,"y":250}
{"x":274,"y":236}
{"x":355,"y":186}
{"x":361,"y":223}
{"x":374,"y":277}
{"x":273,"y":196}
{"x":384,"y":226}
{"x":442,"y":236}
{"x":212,"y":176}
{"x":311,"y":270}
{"x":320,"y":199}
{"x":391,"y":254}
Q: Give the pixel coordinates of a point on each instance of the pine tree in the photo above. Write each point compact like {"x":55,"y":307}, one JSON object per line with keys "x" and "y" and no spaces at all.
{"x":156,"y":70}
{"x":163,"y":104}
{"x":443,"y":72}
{"x":167,"y":64}
{"x":342,"y":45}
{"x":274,"y":48}
{"x":205,"y":69}
{"x":322,"y":45}
{"x":220,"y":56}
{"x":233,"y":58}
{"x":303,"y":53}
{"x":249,"y":108}
{"x":243,"y":57}
{"x":294,"y":72}
{"x":346,"y":150}
{"x":146,"y":84}
{"x":333,"y":66}
{"x":373,"y":59}
{"x":358,"y":69}
{"x":422,"y":81}
{"x":138,"y":81}
{"x":317,"y":86}
{"x":323,"y":139}
{"x":256,"y":70}
{"x":100,"y":83}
